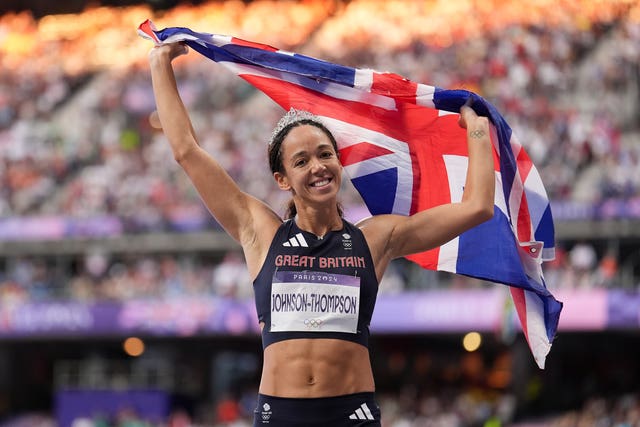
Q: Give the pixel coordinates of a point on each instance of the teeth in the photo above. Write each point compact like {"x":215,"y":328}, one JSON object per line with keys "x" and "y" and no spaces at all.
{"x":320,"y":183}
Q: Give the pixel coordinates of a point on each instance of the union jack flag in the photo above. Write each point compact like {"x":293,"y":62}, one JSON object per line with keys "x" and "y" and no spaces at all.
{"x":404,"y":152}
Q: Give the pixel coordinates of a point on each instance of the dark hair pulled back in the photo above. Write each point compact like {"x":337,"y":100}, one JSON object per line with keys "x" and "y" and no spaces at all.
{"x":275,"y":155}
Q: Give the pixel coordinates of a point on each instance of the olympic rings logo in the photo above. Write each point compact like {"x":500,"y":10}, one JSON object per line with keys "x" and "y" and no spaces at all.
{"x":313,"y":323}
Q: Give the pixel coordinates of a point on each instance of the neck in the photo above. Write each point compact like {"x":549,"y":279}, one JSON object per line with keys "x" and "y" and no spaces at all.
{"x":319,"y":221}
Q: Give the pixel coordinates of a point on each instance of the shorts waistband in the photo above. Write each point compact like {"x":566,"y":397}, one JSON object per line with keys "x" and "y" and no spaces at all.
{"x":360,"y":395}
{"x":349,"y":410}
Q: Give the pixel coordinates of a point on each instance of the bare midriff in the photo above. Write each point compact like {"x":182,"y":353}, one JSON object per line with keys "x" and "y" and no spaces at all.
{"x":316,"y":368}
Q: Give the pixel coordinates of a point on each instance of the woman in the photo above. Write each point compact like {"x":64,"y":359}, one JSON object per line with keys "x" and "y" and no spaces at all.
{"x":315,"y":275}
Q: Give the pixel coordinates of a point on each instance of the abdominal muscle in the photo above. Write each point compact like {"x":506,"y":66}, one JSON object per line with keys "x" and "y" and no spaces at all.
{"x":316,"y":368}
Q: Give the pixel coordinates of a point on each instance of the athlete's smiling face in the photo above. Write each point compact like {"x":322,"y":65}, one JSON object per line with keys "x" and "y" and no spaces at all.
{"x":310,"y":163}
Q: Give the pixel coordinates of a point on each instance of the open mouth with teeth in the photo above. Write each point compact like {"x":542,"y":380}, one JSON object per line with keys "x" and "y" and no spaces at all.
{"x":321,"y":183}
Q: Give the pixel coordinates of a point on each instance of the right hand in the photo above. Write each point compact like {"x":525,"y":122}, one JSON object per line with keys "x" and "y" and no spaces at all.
{"x":171,"y":50}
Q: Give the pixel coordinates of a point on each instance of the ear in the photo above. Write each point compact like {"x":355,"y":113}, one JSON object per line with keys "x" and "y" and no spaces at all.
{"x":282,"y":181}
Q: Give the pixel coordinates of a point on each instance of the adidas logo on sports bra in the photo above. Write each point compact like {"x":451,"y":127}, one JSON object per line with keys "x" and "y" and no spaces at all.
{"x":297,"y":240}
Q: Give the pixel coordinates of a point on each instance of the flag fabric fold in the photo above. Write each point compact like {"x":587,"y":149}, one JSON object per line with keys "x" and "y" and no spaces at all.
{"x":404,"y":152}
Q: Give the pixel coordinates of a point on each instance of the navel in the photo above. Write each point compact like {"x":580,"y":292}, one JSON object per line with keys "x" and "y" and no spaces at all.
{"x":311,"y":380}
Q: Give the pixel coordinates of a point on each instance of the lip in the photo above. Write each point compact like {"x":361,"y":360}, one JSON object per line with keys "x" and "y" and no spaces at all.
{"x":314,"y":183}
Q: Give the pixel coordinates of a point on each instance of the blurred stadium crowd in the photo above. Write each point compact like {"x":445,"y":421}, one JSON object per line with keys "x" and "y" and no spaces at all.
{"x":76,"y":141}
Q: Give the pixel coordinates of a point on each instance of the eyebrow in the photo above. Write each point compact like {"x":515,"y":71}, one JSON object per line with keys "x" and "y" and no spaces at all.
{"x":320,"y":147}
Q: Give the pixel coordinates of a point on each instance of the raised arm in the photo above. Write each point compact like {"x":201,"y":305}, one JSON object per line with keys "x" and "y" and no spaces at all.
{"x":246,"y":219}
{"x":393,"y":236}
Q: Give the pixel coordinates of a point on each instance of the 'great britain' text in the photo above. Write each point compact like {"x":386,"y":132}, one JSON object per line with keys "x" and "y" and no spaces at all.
{"x":319,"y":262}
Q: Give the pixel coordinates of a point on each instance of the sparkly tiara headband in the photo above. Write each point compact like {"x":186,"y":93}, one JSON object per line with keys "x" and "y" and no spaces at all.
{"x":292,"y":116}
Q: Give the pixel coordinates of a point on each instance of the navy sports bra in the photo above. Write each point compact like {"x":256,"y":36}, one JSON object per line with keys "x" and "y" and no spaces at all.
{"x":312,"y":287}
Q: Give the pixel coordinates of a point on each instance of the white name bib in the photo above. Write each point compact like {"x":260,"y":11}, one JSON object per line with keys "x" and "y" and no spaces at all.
{"x":314,"y":302}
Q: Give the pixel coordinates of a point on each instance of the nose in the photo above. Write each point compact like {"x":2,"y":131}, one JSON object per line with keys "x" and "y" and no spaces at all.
{"x":317,"y":165}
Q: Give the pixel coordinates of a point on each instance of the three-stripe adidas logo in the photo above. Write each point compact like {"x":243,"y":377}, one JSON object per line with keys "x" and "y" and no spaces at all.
{"x":362,"y":413}
{"x":297,"y":240}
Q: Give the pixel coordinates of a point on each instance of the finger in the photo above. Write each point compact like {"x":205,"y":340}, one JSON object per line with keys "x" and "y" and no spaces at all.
{"x":466,"y":113}
{"x":462,"y":121}
{"x":467,"y":105}
{"x":178,"y":49}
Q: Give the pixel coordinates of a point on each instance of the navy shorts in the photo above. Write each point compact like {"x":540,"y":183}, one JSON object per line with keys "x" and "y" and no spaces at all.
{"x":351,"y":410}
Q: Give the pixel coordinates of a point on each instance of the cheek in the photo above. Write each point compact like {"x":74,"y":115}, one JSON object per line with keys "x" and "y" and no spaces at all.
{"x":293,"y":179}
{"x":338,"y":169}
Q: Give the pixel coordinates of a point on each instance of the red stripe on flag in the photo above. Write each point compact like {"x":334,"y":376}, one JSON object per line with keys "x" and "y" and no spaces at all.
{"x":360,"y":152}
{"x":148,"y":28}
{"x":390,"y":84}
{"x":447,"y":138}
{"x":520,"y":303}
{"x":524,"y":164}
{"x":524,"y":218}
{"x":428,"y":259}
{"x":235,"y":40}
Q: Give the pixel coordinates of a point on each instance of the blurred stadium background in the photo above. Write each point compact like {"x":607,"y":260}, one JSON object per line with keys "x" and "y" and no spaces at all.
{"x":122,"y":304}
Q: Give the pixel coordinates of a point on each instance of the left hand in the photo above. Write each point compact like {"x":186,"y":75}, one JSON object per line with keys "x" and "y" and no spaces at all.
{"x":475,"y":125}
